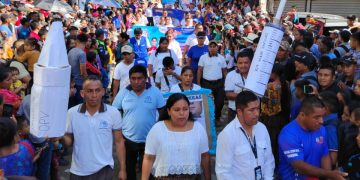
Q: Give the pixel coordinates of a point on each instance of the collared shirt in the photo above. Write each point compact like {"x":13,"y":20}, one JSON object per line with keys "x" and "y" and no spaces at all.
{"x":93,"y":137}
{"x":192,"y":41}
{"x":297,"y":144}
{"x":234,"y":82}
{"x":212,"y":66}
{"x":139,"y":112}
{"x":234,"y":157}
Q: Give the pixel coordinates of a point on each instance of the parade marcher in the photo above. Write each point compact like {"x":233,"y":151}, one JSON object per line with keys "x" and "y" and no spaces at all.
{"x":211,"y":74}
{"x":168,"y":76}
{"x":140,"y":45}
{"x":244,"y":147}
{"x":155,"y":63}
{"x":235,"y":80}
{"x":303,"y":147}
{"x":186,"y":83}
{"x":121,"y":73}
{"x":77,"y":61}
{"x":177,"y":147}
{"x":92,"y":127}
{"x":138,"y":103}
{"x":196,"y":52}
{"x":192,"y":40}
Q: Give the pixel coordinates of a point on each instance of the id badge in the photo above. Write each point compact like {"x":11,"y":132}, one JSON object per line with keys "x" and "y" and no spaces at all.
{"x":258,"y":173}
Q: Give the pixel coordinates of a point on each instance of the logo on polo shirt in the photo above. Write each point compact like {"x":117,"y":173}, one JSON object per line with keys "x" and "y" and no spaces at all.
{"x":148,"y":99}
{"x":319,"y":140}
{"x":103,"y":125}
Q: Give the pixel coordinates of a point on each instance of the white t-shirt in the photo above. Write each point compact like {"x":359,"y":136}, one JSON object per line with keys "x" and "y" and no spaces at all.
{"x":157,"y":61}
{"x":234,"y":82}
{"x":148,"y":12}
{"x":192,"y":41}
{"x":176,"y":88}
{"x":159,"y":78}
{"x":176,"y":152}
{"x":121,"y":73}
{"x":212,"y":66}
{"x":93,"y":137}
{"x":175,"y":46}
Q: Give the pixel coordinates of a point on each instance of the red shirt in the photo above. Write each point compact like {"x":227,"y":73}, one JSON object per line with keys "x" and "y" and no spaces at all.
{"x":34,"y":35}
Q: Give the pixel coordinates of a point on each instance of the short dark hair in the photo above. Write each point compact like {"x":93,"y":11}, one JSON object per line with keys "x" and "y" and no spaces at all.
{"x":20,"y":122}
{"x":246,"y":53}
{"x":327,"y":42}
{"x":170,"y":103}
{"x":124,"y":36}
{"x":168,"y":61}
{"x":13,"y":69}
{"x":34,"y":25}
{"x":330,"y":101}
{"x":309,"y":103}
{"x":8,"y":131}
{"x":4,"y":73}
{"x":138,"y":69}
{"x":91,"y":56}
{"x":83,"y":38}
{"x":243,"y":98}
{"x":92,"y":78}
{"x":345,"y":35}
{"x":356,"y":36}
{"x":328,"y":67}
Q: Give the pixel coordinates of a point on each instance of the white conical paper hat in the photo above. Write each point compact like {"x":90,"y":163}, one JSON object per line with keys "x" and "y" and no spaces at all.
{"x":53,"y":53}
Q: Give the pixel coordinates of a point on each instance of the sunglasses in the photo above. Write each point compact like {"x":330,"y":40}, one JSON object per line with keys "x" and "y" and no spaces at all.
{"x":125,"y":54}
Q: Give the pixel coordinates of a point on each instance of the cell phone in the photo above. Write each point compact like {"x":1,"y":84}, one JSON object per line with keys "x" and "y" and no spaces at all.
{"x":8,"y":110}
{"x":308,"y":89}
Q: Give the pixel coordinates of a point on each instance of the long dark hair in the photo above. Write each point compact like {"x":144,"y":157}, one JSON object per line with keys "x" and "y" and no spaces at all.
{"x":170,"y":103}
{"x":162,"y":39}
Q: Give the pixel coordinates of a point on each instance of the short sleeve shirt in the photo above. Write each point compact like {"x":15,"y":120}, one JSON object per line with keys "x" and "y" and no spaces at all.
{"x":121,"y":73}
{"x":139,"y":112}
{"x":93,"y":137}
{"x":76,"y":57}
{"x":296,"y":144}
{"x":195,"y":53}
{"x":212,"y":66}
{"x":166,"y":86}
{"x":234,"y":82}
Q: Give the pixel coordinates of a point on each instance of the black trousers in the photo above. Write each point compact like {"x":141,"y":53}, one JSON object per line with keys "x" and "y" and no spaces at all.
{"x":106,"y":173}
{"x":134,"y":153}
{"x":217,"y":88}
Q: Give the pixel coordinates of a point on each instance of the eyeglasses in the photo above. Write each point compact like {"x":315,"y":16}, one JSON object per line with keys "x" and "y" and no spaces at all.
{"x":201,"y":37}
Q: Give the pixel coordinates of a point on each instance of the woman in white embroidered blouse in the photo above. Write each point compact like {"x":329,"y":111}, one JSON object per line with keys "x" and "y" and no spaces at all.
{"x":176,"y":147}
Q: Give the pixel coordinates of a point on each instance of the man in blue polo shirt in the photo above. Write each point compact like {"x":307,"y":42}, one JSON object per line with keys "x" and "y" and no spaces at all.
{"x":138,"y":102}
{"x":303,"y":148}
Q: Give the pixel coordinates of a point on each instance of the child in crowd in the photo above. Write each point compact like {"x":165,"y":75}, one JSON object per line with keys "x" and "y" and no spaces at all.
{"x":15,"y":158}
{"x":17,"y":86}
{"x":29,"y":53}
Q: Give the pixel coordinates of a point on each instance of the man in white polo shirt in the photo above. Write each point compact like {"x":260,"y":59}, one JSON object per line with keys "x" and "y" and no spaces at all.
{"x":235,"y":80}
{"x":121,"y":73}
{"x":90,"y":128}
{"x":211,"y":74}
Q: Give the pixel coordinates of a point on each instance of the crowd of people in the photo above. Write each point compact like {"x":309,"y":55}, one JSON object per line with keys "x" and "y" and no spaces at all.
{"x":306,"y":126}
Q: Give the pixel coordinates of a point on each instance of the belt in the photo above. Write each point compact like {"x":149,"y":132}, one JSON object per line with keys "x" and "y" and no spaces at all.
{"x":212,"y":81}
{"x":179,"y":176}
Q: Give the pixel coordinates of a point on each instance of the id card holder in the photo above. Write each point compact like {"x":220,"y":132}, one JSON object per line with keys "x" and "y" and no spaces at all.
{"x":258,"y":173}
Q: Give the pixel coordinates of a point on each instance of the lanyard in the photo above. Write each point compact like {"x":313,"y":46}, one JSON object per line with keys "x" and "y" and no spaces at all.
{"x":253,"y":147}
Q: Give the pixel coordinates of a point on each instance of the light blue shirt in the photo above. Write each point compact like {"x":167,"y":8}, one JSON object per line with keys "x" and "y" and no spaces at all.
{"x":139,"y":112}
